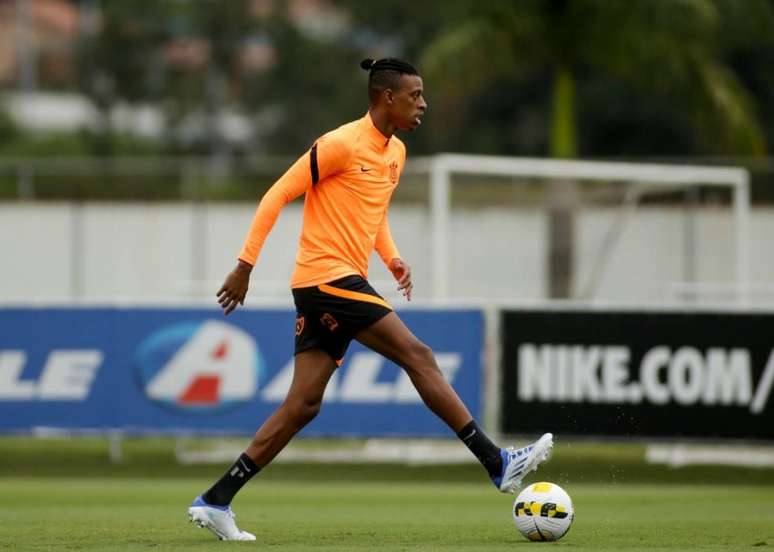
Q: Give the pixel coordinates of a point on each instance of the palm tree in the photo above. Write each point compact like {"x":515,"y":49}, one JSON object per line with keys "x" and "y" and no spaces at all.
{"x":668,"y":48}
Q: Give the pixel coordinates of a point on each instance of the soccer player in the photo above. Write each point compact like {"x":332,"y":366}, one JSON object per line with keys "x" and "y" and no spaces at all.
{"x":348,"y":177}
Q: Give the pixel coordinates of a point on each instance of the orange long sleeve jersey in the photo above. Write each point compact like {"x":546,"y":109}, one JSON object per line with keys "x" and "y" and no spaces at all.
{"x":348,"y":176}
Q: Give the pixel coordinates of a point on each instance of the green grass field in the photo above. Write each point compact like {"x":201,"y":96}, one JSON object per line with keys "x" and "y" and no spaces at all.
{"x":67,"y":504}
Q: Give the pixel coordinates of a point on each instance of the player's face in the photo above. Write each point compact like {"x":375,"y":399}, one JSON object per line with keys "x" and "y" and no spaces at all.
{"x":408,"y":105}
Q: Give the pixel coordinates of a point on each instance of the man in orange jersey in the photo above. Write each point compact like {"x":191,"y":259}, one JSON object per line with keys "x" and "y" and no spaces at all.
{"x":348,"y":177}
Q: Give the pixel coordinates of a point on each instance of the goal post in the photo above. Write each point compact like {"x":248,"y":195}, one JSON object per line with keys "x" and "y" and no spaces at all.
{"x":441,"y":168}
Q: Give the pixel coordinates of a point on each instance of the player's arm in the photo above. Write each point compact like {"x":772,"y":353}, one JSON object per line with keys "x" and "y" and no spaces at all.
{"x":290,"y":185}
{"x":388,"y":251}
{"x":326,"y":157}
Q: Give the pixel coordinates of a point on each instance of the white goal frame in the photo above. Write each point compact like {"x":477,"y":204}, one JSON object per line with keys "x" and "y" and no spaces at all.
{"x":441,"y":167}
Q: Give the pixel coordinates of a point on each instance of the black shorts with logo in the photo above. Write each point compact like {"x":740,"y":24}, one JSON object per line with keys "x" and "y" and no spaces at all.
{"x":328,"y":316}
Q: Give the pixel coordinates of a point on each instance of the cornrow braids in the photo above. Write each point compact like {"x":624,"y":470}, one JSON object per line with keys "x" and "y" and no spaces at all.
{"x":385,"y":73}
{"x":388,"y":64}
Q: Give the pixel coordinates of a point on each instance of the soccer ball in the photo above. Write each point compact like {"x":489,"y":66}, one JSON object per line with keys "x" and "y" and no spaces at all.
{"x":543,"y":512}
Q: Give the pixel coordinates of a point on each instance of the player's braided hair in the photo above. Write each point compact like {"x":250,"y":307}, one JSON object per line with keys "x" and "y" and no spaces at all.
{"x":385,"y":73}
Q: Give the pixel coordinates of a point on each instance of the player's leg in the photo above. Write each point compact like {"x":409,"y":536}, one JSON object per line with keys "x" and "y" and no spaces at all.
{"x":392,"y":339}
{"x":312,"y":371}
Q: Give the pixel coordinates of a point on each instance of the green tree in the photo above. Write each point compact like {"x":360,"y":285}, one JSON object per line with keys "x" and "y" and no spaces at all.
{"x":314,"y":85}
{"x":122,"y":59}
{"x":669,"y":48}
{"x":118,"y":59}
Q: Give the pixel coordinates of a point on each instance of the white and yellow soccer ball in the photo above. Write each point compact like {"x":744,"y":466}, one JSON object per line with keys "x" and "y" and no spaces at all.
{"x":543,"y":512}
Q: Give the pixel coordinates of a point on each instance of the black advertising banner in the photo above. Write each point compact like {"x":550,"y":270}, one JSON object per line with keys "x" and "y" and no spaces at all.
{"x":638,"y":374}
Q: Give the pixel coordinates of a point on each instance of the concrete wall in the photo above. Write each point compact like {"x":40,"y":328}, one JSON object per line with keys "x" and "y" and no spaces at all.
{"x":149,"y":252}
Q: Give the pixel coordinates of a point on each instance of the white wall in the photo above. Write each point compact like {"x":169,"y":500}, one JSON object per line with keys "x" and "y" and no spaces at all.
{"x":119,"y":251}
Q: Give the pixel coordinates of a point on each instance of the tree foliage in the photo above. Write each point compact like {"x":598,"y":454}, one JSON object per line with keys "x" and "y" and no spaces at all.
{"x":676,"y":51}
{"x":533,"y":77}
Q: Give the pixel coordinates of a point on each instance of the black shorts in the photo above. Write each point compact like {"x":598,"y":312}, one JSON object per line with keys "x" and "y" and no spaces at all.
{"x":328,"y":316}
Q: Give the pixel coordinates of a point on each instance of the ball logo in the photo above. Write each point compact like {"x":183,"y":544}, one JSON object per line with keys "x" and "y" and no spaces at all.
{"x":205,"y":365}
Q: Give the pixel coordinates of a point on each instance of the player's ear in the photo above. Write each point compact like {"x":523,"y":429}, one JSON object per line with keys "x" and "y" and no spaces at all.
{"x":389,"y":95}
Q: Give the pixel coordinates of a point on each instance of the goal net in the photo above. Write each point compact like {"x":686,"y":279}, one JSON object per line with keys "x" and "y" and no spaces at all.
{"x":479,"y":227}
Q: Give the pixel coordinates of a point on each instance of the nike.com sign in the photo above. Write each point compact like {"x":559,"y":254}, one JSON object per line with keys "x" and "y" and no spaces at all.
{"x":644,"y":373}
{"x":603,"y":374}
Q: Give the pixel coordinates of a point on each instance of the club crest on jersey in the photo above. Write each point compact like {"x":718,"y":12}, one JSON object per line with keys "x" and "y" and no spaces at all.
{"x":205,"y":365}
{"x":393,"y":172}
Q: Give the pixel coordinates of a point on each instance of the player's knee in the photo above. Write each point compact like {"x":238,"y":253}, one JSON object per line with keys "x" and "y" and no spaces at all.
{"x":303,"y":411}
{"x":420,"y":358}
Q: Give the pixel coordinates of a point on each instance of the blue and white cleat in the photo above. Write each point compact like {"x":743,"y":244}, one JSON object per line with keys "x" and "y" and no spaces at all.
{"x":218,"y":519}
{"x":519,"y":462}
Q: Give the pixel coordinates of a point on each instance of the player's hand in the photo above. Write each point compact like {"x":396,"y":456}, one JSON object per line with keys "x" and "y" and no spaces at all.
{"x":234,"y":289}
{"x":402,"y":273}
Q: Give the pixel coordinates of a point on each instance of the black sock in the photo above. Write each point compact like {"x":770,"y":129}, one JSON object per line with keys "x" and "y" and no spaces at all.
{"x":485,"y":450}
{"x":222,"y":492}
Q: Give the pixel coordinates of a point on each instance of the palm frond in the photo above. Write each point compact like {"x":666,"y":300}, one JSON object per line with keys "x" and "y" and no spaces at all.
{"x":724,"y":108}
{"x":468,"y":57}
